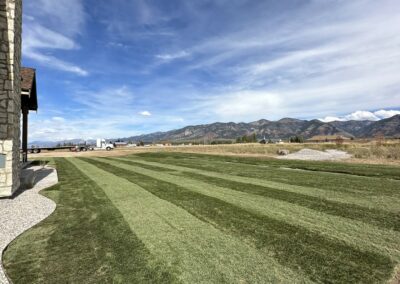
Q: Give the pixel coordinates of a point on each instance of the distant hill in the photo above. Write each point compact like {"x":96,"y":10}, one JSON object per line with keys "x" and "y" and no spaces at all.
{"x":281,"y":129}
{"x":352,"y":126}
{"x":389,"y":127}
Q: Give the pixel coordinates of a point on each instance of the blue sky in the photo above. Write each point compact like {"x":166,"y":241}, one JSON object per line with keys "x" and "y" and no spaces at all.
{"x":126,"y":67}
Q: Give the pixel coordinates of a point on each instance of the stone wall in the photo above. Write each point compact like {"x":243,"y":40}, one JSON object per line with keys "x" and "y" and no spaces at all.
{"x":10,"y":93}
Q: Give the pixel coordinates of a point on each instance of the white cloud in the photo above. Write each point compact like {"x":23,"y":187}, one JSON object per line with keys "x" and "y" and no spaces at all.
{"x":331,"y":118}
{"x":117,"y":44}
{"x":290,"y":59}
{"x":336,"y":60}
{"x":42,"y":129}
{"x":382,"y":114}
{"x":39,"y":40}
{"x":242,"y":105}
{"x":325,"y":58}
{"x":67,"y":17}
{"x":173,"y":56}
{"x":102,"y":113}
{"x":37,"y":36}
{"x":116,"y":100}
{"x":145,"y":113}
{"x":177,"y":119}
{"x":54,"y":62}
{"x":363,"y":115}
{"x":58,"y":118}
{"x":28,"y":17}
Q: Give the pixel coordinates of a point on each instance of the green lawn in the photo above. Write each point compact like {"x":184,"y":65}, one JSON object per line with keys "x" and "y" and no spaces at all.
{"x":191,"y":218}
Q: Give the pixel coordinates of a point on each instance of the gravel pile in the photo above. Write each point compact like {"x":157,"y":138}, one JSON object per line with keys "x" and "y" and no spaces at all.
{"x":314,"y":155}
{"x":25,"y":210}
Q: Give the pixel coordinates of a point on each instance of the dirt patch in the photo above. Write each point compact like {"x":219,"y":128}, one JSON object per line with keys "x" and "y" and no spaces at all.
{"x":315,"y":155}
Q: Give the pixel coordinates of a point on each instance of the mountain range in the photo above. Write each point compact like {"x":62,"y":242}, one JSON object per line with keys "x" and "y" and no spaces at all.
{"x":281,"y":129}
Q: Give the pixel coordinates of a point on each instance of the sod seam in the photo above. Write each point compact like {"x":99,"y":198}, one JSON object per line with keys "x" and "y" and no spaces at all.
{"x":293,"y":245}
{"x":382,"y":204}
{"x":353,"y":232}
{"x":365,"y":170}
{"x":199,"y":251}
{"x":349,"y":184}
{"x":86,"y":240}
{"x":373,"y":216}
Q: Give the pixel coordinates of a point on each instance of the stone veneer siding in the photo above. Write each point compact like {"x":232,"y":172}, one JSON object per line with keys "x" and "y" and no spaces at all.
{"x":10,"y":94}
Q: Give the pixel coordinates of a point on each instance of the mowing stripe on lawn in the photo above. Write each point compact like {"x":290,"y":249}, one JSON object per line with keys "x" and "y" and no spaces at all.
{"x":86,"y":240}
{"x":353,"y":232}
{"x":382,"y":203}
{"x":375,"y":217}
{"x":349,"y":184}
{"x":380,"y":171}
{"x":195,"y":249}
{"x":324,"y":260}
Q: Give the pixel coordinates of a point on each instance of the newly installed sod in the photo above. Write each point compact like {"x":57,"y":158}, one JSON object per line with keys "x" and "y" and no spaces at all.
{"x":86,"y":240}
{"x":187,"y":218}
{"x":373,"y":216}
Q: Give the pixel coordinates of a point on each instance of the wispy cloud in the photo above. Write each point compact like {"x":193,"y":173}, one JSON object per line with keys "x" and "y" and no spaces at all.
{"x":103,"y":112}
{"x":173,"y":56}
{"x":137,"y":20}
{"x":54,"y":62}
{"x":39,"y":40}
{"x":117,"y":100}
{"x":37,"y":36}
{"x":44,"y":129}
{"x":195,"y":62}
{"x":66,"y":17}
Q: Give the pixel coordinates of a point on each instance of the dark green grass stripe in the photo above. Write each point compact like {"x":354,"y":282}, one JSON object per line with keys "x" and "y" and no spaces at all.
{"x":380,"y":171}
{"x":341,"y":183}
{"x":324,"y":260}
{"x":364,"y":170}
{"x":380,"y":218}
{"x":138,"y":164}
{"x":132,"y":162}
{"x":86,"y":240}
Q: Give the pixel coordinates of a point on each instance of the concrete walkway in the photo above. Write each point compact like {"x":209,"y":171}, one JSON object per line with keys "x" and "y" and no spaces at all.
{"x":25,"y":209}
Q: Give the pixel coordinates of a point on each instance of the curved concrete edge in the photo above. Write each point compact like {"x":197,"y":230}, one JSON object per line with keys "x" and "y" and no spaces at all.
{"x":25,"y":210}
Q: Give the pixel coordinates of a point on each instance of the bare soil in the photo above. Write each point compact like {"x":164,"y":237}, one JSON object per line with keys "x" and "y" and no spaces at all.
{"x":315,"y":155}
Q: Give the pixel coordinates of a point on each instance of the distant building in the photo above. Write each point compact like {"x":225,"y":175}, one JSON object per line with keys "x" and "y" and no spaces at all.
{"x":327,"y":138}
{"x":271,"y":141}
{"x":120,"y":144}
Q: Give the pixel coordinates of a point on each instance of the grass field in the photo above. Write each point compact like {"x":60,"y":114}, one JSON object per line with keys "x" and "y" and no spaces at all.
{"x":367,"y":153}
{"x":191,"y":218}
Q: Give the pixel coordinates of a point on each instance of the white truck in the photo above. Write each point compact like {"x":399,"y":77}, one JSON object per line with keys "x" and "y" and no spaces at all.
{"x":101,"y":144}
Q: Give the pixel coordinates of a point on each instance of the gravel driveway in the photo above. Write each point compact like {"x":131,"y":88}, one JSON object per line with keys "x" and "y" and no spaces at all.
{"x":25,"y":209}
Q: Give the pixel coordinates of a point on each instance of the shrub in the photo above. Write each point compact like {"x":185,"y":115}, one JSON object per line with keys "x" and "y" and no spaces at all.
{"x":296,"y":139}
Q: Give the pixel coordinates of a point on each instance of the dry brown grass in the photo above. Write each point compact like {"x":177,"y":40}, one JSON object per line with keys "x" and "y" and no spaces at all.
{"x":387,"y":153}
